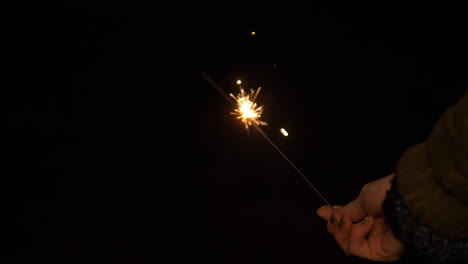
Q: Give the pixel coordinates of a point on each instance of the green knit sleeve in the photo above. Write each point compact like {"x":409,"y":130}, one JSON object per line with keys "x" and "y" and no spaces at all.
{"x":433,"y":176}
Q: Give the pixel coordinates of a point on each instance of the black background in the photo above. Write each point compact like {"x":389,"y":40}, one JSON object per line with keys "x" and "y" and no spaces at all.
{"x":118,"y":150}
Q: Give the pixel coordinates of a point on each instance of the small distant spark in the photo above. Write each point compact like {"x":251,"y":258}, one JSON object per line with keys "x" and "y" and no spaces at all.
{"x":239,"y":82}
{"x":253,"y":33}
{"x":247,"y":110}
{"x":285,"y":133}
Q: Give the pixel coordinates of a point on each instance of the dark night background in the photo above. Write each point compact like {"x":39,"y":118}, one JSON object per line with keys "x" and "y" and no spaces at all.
{"x":118,"y":150}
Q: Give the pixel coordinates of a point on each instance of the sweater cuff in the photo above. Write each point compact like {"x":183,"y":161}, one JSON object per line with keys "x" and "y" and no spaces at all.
{"x":420,"y":241}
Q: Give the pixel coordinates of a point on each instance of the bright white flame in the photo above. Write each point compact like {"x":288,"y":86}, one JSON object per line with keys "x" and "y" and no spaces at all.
{"x":239,"y":82}
{"x":285,"y":133}
{"x":247,"y":109}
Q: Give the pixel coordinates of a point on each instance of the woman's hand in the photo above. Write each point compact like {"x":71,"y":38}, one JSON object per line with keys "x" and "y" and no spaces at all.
{"x":359,"y":228}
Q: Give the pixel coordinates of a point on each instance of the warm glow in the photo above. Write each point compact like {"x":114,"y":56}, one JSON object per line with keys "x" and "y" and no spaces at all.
{"x":253,"y":33}
{"x":239,"y":82}
{"x":247,"y":109}
{"x":285,"y":133}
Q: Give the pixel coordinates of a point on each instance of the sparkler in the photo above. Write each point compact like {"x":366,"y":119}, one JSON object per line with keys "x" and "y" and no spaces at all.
{"x":250,"y":114}
{"x":247,"y":109}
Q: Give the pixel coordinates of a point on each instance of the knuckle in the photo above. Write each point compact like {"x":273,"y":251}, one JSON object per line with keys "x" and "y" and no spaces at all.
{"x":365,"y":187}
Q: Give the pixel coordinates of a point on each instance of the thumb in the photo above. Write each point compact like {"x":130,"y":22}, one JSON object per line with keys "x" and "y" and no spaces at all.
{"x":354,"y":210}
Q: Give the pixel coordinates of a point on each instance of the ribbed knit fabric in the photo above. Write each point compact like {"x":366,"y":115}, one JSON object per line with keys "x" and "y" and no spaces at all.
{"x":422,"y":244}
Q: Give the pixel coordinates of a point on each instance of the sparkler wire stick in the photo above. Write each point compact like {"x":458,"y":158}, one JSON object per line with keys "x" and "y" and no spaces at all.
{"x":218,"y":88}
{"x":290,"y":162}
{"x":254,"y":95}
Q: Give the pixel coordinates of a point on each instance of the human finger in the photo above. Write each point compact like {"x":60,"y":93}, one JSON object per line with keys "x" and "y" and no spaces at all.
{"x":354,"y":210}
{"x":358,"y":244}
{"x":325,"y":212}
{"x":334,"y":221}
{"x":342,"y":232}
{"x":330,"y":215}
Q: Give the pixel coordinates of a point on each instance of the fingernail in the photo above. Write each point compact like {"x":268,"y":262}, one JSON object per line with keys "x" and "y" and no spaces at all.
{"x":366,"y":220}
{"x":341,"y":223}
{"x":337,"y":206}
{"x":332,"y":219}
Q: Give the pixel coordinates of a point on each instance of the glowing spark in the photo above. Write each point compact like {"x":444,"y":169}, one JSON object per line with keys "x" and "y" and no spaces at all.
{"x":239,"y":82}
{"x":247,"y":109}
{"x":253,"y":33}
{"x":285,"y":133}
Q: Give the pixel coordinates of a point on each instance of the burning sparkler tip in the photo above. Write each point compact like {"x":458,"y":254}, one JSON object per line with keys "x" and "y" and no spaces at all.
{"x":247,"y":110}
